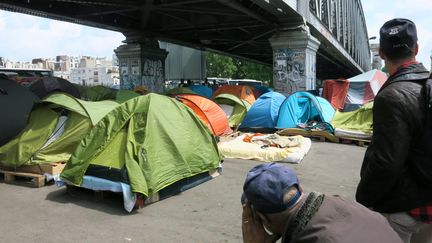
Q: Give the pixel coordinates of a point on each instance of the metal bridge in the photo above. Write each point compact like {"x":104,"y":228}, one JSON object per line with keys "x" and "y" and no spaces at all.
{"x":243,"y":28}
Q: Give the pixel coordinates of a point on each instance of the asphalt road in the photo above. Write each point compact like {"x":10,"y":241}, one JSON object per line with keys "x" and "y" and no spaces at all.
{"x":209,"y":212}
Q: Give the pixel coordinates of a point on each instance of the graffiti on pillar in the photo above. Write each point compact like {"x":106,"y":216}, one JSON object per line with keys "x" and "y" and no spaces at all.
{"x":126,"y":81}
{"x":153,"y":75}
{"x":128,"y":76}
{"x":289,"y":70}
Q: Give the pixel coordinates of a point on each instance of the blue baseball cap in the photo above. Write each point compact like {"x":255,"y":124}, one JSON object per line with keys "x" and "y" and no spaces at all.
{"x":265,"y":186}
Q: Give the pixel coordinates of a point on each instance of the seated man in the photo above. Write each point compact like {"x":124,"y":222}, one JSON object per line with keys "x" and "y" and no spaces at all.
{"x":274,"y":202}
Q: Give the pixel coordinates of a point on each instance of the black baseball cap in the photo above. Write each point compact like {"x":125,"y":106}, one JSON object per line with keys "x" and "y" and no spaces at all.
{"x":398,"y":35}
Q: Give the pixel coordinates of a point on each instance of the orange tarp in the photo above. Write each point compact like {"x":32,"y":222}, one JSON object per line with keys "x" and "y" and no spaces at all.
{"x":208,"y":111}
{"x":335,"y":91}
{"x":241,"y":91}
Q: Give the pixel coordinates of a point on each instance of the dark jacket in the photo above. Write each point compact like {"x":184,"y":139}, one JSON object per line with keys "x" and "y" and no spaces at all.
{"x":343,"y":221}
{"x":396,"y":169}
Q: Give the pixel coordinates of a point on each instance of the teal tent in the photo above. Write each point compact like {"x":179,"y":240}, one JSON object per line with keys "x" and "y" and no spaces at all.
{"x":302,"y":107}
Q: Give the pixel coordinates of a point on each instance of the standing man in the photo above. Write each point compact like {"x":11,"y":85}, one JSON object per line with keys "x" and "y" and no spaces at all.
{"x":396,"y":175}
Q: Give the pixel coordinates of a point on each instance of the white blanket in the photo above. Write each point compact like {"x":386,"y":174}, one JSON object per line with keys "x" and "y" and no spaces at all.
{"x":239,"y":149}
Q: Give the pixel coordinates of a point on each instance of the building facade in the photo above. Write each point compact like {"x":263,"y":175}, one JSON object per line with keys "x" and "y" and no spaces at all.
{"x":91,"y":76}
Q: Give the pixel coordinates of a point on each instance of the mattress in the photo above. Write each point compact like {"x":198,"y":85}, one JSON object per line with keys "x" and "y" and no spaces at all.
{"x":239,"y":149}
{"x":341,"y":133}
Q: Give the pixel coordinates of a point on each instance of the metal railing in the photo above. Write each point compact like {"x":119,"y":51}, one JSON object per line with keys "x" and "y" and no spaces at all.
{"x":346,"y":21}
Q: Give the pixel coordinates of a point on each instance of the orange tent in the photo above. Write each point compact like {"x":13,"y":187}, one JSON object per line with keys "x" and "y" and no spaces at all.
{"x":208,"y":111}
{"x":241,"y":91}
{"x":335,"y":91}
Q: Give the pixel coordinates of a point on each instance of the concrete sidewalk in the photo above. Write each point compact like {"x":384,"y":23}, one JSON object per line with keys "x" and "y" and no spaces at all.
{"x":209,"y":212}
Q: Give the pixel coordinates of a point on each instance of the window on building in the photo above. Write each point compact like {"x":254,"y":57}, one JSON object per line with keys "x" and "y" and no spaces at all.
{"x":96,"y":76}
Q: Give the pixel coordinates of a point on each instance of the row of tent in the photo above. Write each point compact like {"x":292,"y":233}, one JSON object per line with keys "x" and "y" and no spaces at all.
{"x":124,"y":136}
{"x":346,"y":104}
{"x":273,"y":111}
{"x":19,"y":110}
{"x":21,"y":99}
{"x":131,"y":142}
{"x":210,"y":92}
{"x":235,"y":101}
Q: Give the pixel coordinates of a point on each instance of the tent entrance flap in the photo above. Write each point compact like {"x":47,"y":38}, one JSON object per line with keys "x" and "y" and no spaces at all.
{"x":228,"y":109}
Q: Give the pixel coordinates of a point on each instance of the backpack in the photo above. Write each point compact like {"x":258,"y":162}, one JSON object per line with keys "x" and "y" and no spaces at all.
{"x":423,"y":160}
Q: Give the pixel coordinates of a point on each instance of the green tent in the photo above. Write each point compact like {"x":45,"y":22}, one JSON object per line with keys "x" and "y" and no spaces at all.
{"x":179,"y":90}
{"x":122,"y":95}
{"x":156,"y":139}
{"x":99,"y":92}
{"x":358,"y":120}
{"x":95,"y":93}
{"x":234,"y":107}
{"x":55,"y":127}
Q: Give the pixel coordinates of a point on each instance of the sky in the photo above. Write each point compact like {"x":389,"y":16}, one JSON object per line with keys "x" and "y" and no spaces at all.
{"x":377,"y":12}
{"x":25,"y":37}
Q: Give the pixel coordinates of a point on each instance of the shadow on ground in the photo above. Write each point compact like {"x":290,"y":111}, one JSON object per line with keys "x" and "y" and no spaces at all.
{"x":107,"y":202}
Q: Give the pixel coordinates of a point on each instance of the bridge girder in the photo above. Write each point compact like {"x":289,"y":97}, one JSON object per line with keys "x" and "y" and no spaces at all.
{"x":238,"y":28}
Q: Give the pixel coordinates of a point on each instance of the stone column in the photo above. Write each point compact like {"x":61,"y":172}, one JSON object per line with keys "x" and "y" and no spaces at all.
{"x":142,"y":64}
{"x":294,"y":60}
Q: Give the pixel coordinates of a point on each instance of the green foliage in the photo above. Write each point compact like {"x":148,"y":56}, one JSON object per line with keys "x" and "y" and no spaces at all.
{"x":220,"y":66}
{"x":227,"y":67}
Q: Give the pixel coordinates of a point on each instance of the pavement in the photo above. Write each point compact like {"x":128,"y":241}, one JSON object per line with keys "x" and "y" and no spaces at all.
{"x":209,"y":212}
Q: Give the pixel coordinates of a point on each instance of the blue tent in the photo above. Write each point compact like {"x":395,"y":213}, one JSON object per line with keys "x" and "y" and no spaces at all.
{"x":301,"y":107}
{"x":260,"y":90}
{"x":264,"y":112}
{"x":202,"y":90}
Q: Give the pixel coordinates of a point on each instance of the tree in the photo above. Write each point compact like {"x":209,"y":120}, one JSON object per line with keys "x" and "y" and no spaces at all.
{"x":220,"y":66}
{"x":227,"y":67}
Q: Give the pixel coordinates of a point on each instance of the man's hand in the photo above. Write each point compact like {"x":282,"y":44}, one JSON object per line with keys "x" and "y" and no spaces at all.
{"x":252,"y":228}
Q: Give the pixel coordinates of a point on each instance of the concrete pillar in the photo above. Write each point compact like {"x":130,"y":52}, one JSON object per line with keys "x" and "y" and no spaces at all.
{"x":294,"y":60}
{"x":376,"y":59}
{"x":142,"y":64}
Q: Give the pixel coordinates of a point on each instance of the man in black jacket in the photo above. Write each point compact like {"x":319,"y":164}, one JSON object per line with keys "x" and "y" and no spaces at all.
{"x":396,"y":175}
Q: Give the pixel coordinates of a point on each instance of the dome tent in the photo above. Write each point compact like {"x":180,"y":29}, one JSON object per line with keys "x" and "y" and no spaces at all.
{"x":234,"y":108}
{"x":55,"y":127}
{"x":264,"y":112}
{"x":16,"y":103}
{"x":48,"y":85}
{"x":208,"y":111}
{"x":148,"y":144}
{"x":302,"y":107}
{"x":202,"y":90}
{"x":240,"y":91}
{"x":363,"y":88}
